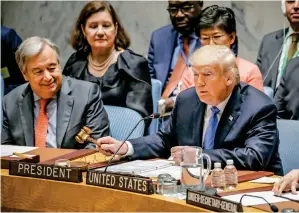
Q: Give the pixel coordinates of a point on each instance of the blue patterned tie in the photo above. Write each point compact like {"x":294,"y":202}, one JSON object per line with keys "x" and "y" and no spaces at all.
{"x":211,"y":130}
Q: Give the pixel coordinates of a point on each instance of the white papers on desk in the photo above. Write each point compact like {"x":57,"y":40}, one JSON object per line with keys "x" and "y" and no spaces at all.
{"x":268,"y":195}
{"x":138,"y":166}
{"x":7,"y":150}
{"x":150,"y":168}
{"x":265,"y":180}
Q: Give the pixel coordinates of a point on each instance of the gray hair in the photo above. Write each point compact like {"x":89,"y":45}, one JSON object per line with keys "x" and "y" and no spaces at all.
{"x":31,"y":47}
{"x":216,"y":54}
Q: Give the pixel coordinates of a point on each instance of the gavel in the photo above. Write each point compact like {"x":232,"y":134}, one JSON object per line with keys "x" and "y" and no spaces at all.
{"x":84,"y":135}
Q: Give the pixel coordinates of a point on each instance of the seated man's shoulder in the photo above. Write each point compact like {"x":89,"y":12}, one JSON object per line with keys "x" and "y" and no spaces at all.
{"x":79,"y":85}
{"x":272,"y":35}
{"x":187,"y":94}
{"x":17,"y":93}
{"x":162,"y":30}
{"x":254,"y":99}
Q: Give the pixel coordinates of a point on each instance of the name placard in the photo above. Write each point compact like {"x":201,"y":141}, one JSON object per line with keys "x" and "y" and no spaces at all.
{"x":45,"y":171}
{"x":120,"y":181}
{"x":212,"y":202}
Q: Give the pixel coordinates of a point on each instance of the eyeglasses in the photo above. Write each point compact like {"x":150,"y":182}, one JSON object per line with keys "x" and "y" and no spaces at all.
{"x":217,"y":39}
{"x":185,"y":9}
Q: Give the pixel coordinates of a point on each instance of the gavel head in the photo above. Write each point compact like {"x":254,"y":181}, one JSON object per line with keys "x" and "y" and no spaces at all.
{"x":83,"y":135}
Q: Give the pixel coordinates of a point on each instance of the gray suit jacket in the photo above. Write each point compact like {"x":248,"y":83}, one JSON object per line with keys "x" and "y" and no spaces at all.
{"x":286,"y":98}
{"x":79,"y":104}
{"x":269,"y":56}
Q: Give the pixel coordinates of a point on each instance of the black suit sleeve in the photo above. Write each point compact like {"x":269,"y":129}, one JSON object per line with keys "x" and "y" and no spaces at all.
{"x":259,"y":58}
{"x":280,"y":102}
{"x":139,"y":96}
{"x":260,"y":145}
{"x":96,"y":116}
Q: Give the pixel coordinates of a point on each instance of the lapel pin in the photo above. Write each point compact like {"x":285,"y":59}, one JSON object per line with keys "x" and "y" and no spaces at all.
{"x":230,"y":118}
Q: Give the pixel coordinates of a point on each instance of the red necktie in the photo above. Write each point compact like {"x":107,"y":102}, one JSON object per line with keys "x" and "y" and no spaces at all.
{"x":41,"y":126}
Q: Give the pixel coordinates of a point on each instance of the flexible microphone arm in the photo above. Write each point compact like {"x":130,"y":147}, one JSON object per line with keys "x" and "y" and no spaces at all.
{"x":272,"y":206}
{"x":152,"y":116}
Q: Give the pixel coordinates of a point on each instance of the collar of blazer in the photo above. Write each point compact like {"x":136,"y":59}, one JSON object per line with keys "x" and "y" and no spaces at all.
{"x":280,"y":34}
{"x":127,"y":61}
{"x":229,"y":116}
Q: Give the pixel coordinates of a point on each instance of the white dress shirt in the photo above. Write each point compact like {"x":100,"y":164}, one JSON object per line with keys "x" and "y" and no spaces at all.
{"x":207,"y":117}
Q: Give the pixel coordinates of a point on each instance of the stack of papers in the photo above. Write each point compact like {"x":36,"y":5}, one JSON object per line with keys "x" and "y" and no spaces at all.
{"x":150,"y":168}
{"x":139,"y":166}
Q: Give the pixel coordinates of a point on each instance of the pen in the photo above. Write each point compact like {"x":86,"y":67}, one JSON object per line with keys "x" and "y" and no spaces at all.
{"x":21,"y":155}
{"x":290,"y":199}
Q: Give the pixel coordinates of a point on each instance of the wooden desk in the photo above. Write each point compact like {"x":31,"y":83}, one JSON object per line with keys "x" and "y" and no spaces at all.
{"x":32,"y":194}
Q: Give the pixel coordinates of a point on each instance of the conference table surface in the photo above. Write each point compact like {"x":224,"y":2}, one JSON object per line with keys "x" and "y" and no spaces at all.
{"x":35,"y":194}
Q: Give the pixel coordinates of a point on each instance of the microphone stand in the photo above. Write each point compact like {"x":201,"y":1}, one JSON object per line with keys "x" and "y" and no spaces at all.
{"x":272,"y":206}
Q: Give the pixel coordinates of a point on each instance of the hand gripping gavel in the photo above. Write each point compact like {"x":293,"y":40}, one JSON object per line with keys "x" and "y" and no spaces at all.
{"x":84,"y":135}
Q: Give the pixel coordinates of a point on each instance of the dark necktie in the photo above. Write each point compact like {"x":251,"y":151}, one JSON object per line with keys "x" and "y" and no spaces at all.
{"x":293,"y":46}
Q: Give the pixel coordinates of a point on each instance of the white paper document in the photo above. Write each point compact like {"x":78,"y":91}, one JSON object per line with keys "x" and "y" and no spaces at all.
{"x":268,"y":195}
{"x":138,"y":166}
{"x":7,"y":150}
{"x":150,"y":168}
{"x":265,"y":180}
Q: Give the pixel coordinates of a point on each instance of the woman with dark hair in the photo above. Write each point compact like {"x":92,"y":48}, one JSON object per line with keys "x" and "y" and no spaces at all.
{"x":102,"y":57}
{"x":217,"y":25}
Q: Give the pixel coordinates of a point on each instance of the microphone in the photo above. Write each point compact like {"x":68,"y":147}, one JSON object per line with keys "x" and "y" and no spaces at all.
{"x":272,"y":206}
{"x":152,"y":116}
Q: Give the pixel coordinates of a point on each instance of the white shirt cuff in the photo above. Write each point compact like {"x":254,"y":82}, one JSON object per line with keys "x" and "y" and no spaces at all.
{"x":130,"y":151}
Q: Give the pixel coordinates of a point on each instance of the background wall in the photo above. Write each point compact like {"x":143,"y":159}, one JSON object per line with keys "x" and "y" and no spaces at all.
{"x":55,"y":20}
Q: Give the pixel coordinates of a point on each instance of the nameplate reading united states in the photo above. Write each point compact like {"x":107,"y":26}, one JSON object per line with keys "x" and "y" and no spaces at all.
{"x":120,"y":181}
{"x":212,"y":202}
{"x":45,"y":171}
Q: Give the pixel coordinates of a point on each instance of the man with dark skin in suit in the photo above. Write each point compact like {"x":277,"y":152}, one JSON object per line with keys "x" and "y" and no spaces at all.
{"x":184,"y":16}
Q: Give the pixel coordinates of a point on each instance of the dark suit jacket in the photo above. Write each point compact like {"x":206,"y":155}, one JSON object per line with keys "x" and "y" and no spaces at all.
{"x":162,"y":45}
{"x":79,"y":104}
{"x":287,"y":96}
{"x":10,"y":41}
{"x":269,"y":56}
{"x":246,"y":132}
{"x":129,"y":85}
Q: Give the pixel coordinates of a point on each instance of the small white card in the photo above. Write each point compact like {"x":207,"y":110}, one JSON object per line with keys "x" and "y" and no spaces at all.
{"x":15,"y":156}
{"x":265,"y":180}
